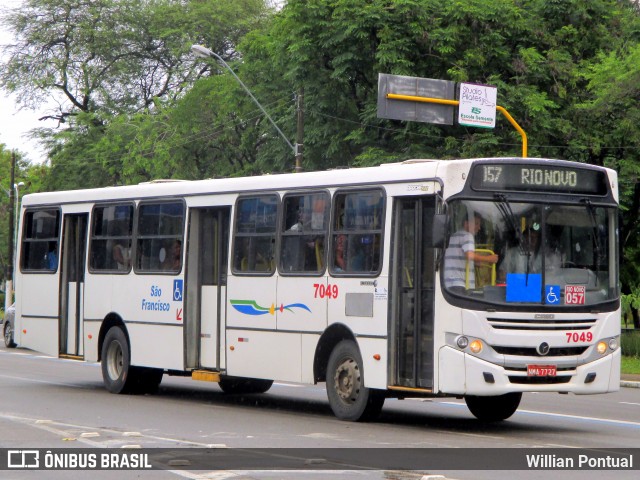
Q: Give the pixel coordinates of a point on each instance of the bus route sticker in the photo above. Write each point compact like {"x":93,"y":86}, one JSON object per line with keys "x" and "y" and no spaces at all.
{"x":574,"y":294}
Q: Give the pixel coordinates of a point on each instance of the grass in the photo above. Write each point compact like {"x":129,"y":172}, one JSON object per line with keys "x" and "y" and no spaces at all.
{"x":631,"y":365}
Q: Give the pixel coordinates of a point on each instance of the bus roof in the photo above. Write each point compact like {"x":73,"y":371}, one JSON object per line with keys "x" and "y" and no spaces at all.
{"x":408,"y":170}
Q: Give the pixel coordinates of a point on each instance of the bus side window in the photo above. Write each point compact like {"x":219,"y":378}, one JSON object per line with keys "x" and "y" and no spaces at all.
{"x":110,"y":244}
{"x":357,"y":232}
{"x":255,"y":234}
{"x":303,"y":233}
{"x":159,"y":237}
{"x":40,"y":241}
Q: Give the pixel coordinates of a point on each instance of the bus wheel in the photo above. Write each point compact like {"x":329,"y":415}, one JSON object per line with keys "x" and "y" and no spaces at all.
{"x":8,"y":335}
{"x":117,"y":373}
{"x":149,"y":379}
{"x":241,"y":385}
{"x":348,"y":397}
{"x":495,"y":408}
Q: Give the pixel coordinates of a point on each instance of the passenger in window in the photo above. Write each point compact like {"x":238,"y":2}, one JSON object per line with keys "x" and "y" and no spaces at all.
{"x":304,"y":251}
{"x":122,"y":256}
{"x":527,"y":258}
{"x":357,"y":254}
{"x":173,"y":259}
{"x":51,"y":257}
{"x":340,"y":253}
{"x":302,"y":223}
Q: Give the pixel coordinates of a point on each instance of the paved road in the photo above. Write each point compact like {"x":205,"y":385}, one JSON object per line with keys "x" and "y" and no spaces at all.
{"x":53,"y":403}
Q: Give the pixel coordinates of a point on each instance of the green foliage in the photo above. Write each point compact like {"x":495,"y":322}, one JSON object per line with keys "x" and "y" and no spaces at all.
{"x":116,"y":64}
{"x":24,"y":173}
{"x":533,"y":51}
{"x":630,"y":344}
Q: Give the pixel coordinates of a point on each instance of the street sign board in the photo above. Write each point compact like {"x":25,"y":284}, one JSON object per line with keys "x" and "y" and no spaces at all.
{"x":477,"y":105}
{"x":415,"y":111}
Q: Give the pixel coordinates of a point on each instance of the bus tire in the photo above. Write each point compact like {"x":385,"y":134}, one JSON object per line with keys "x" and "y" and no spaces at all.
{"x":148,"y":379}
{"x":348,"y":397}
{"x":241,"y":385}
{"x":494,"y":408}
{"x":8,"y":335}
{"x":117,"y":373}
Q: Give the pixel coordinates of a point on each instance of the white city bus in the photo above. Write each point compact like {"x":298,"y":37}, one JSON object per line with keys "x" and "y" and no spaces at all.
{"x":336,"y":276}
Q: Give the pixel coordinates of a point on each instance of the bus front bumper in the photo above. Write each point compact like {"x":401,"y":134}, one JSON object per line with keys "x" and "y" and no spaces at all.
{"x":464,"y":374}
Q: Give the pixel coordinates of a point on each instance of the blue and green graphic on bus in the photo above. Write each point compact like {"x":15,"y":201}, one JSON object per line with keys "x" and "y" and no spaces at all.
{"x":250,"y":307}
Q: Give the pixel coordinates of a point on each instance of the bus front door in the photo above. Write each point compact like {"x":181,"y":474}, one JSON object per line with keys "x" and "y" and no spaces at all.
{"x":74,"y":245}
{"x":411,"y":339}
{"x":206,"y":285}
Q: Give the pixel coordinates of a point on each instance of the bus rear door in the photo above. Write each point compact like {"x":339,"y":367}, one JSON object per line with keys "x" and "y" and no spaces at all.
{"x":74,"y":246}
{"x":206,"y":279}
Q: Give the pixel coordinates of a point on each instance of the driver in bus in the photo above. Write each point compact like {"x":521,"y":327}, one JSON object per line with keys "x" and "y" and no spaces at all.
{"x":460,"y":252}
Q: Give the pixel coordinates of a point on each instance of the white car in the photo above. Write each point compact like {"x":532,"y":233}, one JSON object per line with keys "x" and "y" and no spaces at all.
{"x":7,"y":327}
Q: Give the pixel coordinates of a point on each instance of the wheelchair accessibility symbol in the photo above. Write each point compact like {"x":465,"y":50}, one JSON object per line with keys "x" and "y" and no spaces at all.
{"x":552,"y":294}
{"x":177,"y":290}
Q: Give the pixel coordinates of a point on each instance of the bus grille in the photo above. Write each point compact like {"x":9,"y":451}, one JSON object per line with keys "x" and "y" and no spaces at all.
{"x":532,"y":352}
{"x":538,"y":324}
{"x":540,"y":380}
{"x":519,"y":375}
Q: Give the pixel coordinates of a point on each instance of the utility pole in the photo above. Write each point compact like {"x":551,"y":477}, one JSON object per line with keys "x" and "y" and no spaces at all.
{"x":201,"y":51}
{"x":8,"y":291}
{"x":300,"y":129}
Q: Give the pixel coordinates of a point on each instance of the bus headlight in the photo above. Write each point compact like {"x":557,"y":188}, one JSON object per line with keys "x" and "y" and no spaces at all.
{"x":608,"y":345}
{"x":468,"y":344}
{"x":462,"y":342}
{"x":475,"y":346}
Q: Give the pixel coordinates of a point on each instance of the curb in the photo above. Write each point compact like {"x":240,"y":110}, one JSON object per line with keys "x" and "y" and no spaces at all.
{"x":629,"y":384}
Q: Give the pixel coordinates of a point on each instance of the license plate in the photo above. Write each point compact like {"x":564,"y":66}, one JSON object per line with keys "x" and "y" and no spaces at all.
{"x":541,"y":370}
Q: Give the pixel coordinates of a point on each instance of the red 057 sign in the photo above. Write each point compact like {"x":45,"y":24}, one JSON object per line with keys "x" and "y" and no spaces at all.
{"x":574,"y":294}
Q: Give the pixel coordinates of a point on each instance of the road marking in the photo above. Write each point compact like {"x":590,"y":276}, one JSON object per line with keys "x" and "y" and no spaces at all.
{"x":562,"y":415}
{"x":480,"y":435}
{"x":33,"y":380}
{"x":578,"y":417}
{"x":630,"y":403}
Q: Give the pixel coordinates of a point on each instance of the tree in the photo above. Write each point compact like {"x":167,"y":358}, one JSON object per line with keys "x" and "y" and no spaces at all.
{"x":104,"y":58}
{"x":31,"y":177}
{"x":612,"y":110}
{"x":532,"y":50}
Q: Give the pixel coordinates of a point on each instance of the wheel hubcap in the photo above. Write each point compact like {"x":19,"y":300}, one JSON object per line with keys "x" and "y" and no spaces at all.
{"x":115,"y":360}
{"x":347,"y":381}
{"x":7,"y":334}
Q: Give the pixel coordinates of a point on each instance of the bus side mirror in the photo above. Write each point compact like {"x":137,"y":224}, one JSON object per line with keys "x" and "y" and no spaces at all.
{"x":439,"y":230}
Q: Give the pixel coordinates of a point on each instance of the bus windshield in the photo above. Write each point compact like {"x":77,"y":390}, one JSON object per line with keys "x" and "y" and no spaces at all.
{"x":511,"y":253}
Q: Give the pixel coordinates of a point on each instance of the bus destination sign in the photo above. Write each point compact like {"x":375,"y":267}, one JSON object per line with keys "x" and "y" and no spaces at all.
{"x":537,"y":177}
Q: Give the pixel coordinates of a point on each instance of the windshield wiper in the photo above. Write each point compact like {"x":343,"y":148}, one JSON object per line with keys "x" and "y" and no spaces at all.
{"x":504,"y":207}
{"x":596,"y":234}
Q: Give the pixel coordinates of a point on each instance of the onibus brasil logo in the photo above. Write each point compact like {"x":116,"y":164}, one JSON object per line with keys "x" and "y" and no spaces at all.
{"x":250,"y":307}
